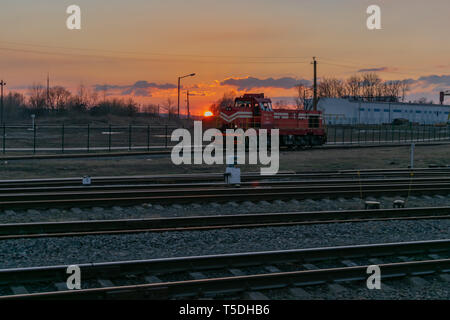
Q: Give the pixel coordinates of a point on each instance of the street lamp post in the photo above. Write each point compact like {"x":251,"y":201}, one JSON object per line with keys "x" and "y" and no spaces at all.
{"x":2,"y":84}
{"x":179,"y":86}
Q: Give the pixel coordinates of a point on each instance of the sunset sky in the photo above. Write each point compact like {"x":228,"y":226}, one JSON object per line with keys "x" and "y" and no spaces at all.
{"x":139,"y":47}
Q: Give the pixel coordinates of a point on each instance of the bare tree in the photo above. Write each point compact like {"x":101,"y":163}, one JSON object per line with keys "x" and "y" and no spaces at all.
{"x":15,"y":105}
{"x":370,"y":85}
{"x":331,"y":88}
{"x":59,"y":97}
{"x":404,"y":88}
{"x":151,"y":109}
{"x":423,"y":100}
{"x":353,"y":85}
{"x":93,"y":97}
{"x":226,"y":101}
{"x":303,"y":98}
{"x":38,"y":96}
{"x":169,"y":108}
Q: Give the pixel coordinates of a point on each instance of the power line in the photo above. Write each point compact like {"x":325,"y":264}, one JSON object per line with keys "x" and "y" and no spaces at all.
{"x":348,"y":64}
{"x":152,"y":53}
{"x":365,"y":67}
{"x":149,"y":59}
{"x":336,"y":62}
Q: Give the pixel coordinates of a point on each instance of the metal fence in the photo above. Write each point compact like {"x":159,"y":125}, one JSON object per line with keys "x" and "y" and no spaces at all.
{"x":90,"y":138}
{"x":384,"y":134}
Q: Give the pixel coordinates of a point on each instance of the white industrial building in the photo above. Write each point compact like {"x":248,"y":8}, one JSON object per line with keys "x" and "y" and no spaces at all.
{"x":347,"y":111}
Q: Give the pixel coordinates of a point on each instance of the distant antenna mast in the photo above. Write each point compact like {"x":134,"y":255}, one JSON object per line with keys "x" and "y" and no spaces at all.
{"x":48,"y":90}
{"x":315,"y":84}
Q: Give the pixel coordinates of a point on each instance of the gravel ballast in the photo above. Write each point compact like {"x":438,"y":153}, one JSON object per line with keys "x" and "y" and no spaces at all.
{"x":101,"y":248}
{"x":105,"y":248}
{"x":204,"y":209}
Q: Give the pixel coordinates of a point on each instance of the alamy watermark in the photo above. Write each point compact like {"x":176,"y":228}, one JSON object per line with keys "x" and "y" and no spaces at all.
{"x":258,"y":146}
{"x":374,"y":20}
{"x":73,"y":22}
{"x":374,"y":280}
{"x":74,"y":280}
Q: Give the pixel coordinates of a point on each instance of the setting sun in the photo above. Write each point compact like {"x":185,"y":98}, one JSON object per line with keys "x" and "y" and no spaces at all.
{"x":208,"y":114}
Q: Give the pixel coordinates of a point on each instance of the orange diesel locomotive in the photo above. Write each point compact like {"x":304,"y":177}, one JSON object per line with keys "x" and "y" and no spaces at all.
{"x":298,"y":128}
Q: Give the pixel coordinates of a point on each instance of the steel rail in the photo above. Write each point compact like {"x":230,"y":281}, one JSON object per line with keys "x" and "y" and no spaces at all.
{"x":192,"y":288}
{"x":276,"y":183}
{"x":128,"y":197}
{"x":221,"y":190}
{"x":178,"y":178}
{"x":183,"y":199}
{"x":98,"y":227}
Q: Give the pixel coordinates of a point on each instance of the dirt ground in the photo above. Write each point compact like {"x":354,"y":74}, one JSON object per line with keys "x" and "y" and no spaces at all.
{"x":310,"y":160}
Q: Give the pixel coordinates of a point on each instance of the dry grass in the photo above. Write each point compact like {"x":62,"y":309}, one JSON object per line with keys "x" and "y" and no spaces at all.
{"x":393,"y":157}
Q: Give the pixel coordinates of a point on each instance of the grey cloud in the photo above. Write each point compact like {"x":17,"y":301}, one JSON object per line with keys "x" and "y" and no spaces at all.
{"x":139,"y":88}
{"x":374,"y":69}
{"x":251,"y":83}
{"x":435,"y":79}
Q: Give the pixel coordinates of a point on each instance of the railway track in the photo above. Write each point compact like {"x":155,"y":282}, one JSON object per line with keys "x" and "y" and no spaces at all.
{"x":81,"y":228}
{"x":217,"y":275}
{"x":199,"y":185}
{"x":125,"y":196}
{"x":218,"y":177}
{"x":159,"y":151}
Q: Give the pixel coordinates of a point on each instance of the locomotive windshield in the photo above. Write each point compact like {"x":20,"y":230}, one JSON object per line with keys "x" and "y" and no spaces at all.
{"x":266,"y":106}
{"x":242,"y":104}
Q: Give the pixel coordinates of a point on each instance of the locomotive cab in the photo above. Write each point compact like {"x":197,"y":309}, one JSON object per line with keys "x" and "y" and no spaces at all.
{"x":249,"y":111}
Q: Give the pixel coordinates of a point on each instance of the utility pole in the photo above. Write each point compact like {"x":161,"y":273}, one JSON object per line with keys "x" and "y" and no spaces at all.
{"x":179,"y":82}
{"x":187,"y":102}
{"x":442,"y":95}
{"x":315,"y":84}
{"x":2,"y":84}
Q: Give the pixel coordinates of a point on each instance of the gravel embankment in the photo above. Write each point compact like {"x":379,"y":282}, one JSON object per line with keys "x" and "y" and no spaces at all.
{"x":198,"y":209}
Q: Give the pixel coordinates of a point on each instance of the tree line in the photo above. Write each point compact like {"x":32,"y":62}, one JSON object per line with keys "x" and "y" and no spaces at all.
{"x":58,"y":100}
{"x":366,"y":87}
